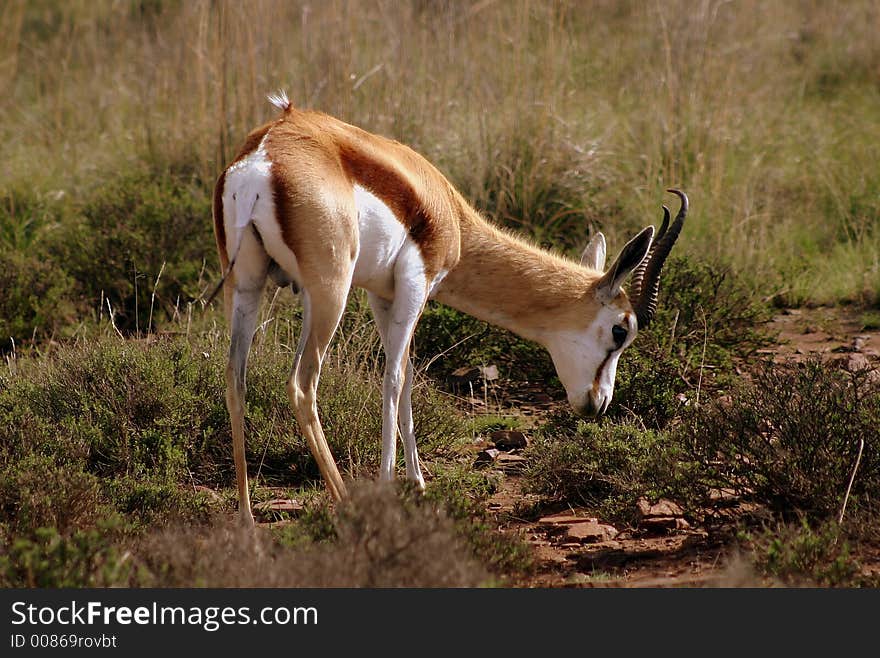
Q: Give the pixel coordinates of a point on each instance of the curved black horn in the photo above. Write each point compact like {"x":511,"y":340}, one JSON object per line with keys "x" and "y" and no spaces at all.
{"x":647,"y":286}
{"x":639,"y":273}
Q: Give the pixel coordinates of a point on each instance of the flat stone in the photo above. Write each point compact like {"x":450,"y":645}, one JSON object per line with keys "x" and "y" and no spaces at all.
{"x":465,"y":375}
{"x":589,"y":533}
{"x":487,"y":456}
{"x":662,"y":508}
{"x":662,"y":524}
{"x":279,"y":505}
{"x":565,"y":518}
{"x":509,"y":439}
{"x":511,"y":463}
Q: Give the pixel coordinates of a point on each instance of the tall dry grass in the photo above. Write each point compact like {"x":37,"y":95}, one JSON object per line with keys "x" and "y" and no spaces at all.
{"x":557,"y":116}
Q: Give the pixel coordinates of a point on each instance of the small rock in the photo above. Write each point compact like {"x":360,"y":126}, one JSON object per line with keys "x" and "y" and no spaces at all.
{"x":511,"y":463}
{"x":857,"y":362}
{"x":489,"y":373}
{"x":565,"y":518}
{"x":279,"y":505}
{"x":487,"y":456}
{"x":509,"y":439}
{"x":664,"y":524}
{"x":588,"y":533}
{"x":465,"y":375}
{"x":473,"y":374}
{"x":723,"y":495}
{"x":662,"y":508}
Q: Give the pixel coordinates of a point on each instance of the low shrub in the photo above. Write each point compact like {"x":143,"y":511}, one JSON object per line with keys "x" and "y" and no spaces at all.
{"x":606,"y":466}
{"x":804,"y":554}
{"x":133,"y":409}
{"x":462,"y":493}
{"x":47,"y":558}
{"x":380,"y":538}
{"x":126,"y":233}
{"x":35,"y":299}
{"x":37,"y":492}
{"x":790,"y":438}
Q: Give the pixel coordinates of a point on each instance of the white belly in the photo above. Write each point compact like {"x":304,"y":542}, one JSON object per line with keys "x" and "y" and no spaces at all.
{"x":381,"y":239}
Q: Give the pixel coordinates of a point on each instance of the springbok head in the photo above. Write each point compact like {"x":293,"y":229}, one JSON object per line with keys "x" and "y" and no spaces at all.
{"x":586,"y":357}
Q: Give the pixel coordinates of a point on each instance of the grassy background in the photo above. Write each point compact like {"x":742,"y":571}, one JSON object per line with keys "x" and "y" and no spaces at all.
{"x":554,"y":118}
{"x":560,"y":117}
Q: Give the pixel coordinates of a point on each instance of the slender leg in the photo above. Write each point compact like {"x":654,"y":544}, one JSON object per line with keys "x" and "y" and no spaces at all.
{"x":322,"y":311}
{"x":396,"y":321}
{"x":244,"y":307}
{"x":382,"y":313}
{"x":407,"y":430}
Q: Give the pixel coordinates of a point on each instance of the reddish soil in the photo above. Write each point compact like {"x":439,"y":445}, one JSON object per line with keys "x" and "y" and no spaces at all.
{"x":664,"y":550}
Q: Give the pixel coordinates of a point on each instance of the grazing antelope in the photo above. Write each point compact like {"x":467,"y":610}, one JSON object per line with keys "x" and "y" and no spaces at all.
{"x":321,"y":205}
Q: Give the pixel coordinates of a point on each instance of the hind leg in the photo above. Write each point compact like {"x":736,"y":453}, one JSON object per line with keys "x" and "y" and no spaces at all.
{"x":242,"y":291}
{"x":322,"y":310}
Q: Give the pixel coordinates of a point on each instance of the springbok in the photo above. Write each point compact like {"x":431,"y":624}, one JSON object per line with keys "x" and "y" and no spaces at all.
{"x":321,"y":205}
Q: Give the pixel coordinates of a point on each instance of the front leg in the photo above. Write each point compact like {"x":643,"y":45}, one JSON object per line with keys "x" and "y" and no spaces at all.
{"x":396,"y":321}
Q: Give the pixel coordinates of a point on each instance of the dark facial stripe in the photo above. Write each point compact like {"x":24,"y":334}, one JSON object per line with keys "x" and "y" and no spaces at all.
{"x":599,"y":372}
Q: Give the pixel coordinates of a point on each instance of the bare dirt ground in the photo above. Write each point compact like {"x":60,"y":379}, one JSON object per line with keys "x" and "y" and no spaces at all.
{"x":574,"y":548}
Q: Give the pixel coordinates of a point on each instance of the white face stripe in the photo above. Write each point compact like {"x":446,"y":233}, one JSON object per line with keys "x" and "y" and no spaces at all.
{"x":586,"y":360}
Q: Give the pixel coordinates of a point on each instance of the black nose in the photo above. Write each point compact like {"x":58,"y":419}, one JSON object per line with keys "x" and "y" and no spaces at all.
{"x":588,"y":409}
{"x":618,"y":333}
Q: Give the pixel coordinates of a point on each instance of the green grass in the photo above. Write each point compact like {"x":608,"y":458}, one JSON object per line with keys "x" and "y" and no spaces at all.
{"x":806,"y":555}
{"x":766,"y":114}
{"x":112,"y":448}
{"x":116,"y":119}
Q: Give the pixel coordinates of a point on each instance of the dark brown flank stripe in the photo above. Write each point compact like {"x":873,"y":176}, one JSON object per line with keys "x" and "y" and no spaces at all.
{"x":281,"y":195}
{"x":399,"y":195}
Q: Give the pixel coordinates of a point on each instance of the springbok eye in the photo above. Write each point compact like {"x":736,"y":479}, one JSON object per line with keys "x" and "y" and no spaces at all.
{"x":619,"y":334}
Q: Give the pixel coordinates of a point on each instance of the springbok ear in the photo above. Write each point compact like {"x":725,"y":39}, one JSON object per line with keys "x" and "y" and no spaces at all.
{"x":594,"y":254}
{"x":628,"y":260}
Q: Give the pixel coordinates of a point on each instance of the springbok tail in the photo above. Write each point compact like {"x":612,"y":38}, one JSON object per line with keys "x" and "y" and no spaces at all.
{"x":243,"y":200}
{"x":280,"y":100}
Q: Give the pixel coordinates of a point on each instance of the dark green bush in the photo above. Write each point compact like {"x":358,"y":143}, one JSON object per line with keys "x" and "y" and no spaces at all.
{"x":448,"y":339}
{"x":85,"y":558}
{"x":34,"y":298}
{"x":790,"y":438}
{"x":128,"y":231}
{"x":38,"y":492}
{"x":606,"y":466}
